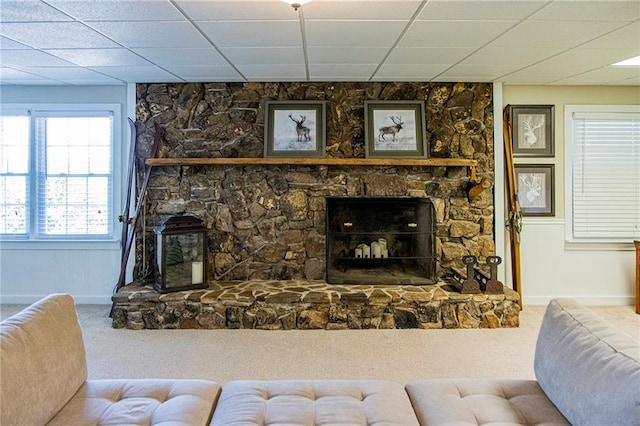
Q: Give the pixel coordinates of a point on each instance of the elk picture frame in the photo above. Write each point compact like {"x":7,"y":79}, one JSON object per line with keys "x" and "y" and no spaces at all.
{"x":533,"y":130}
{"x":536,"y":183}
{"x":295,"y":129}
{"x":395,"y":129}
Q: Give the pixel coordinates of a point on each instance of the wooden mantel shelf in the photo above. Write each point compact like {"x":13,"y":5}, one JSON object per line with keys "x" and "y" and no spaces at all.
{"x":326,"y":161}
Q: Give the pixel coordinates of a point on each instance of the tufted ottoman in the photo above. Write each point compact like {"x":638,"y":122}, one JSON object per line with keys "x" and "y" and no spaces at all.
{"x":314,"y":402}
{"x":482,"y":401}
{"x":141,"y":401}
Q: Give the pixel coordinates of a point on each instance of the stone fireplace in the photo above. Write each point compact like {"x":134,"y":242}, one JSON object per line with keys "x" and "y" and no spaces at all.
{"x":380,"y":240}
{"x":267,"y":224}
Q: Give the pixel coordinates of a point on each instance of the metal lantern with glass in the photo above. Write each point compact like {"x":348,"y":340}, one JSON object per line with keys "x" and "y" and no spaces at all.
{"x":181,"y":254}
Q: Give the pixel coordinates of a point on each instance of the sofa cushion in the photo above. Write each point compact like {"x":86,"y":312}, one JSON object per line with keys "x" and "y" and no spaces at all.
{"x":482,"y":401}
{"x":42,"y":361}
{"x":140,"y":402}
{"x":589,"y":369}
{"x":314,"y":402}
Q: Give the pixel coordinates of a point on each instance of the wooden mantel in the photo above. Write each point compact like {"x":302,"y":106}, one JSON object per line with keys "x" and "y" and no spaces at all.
{"x":325,"y":161}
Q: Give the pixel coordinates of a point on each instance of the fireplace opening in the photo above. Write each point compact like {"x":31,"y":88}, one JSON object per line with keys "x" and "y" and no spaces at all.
{"x":380,"y":240}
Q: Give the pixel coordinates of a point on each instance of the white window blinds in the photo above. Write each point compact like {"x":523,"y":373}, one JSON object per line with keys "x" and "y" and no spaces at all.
{"x":605,"y":176}
{"x":74,"y":174}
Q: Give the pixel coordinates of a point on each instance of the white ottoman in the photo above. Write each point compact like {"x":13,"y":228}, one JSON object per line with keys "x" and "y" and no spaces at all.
{"x":314,"y":402}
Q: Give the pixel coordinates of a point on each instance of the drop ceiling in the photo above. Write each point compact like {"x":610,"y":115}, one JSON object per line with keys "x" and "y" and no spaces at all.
{"x":536,"y":42}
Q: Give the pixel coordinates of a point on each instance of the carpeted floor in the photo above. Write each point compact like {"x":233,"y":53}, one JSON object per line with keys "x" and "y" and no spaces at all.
{"x":400,"y":355}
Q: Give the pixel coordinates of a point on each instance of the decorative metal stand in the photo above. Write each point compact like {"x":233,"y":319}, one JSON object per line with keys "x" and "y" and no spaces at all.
{"x":477,"y":281}
{"x":490,"y":284}
{"x":466,"y":285}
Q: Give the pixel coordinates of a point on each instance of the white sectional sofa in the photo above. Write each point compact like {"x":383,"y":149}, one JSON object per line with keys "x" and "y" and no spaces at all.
{"x":588,"y":373}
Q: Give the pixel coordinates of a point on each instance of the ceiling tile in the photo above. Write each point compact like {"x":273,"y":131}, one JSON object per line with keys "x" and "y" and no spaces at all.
{"x":30,"y":11}
{"x":627,"y":36}
{"x":474,"y":10}
{"x":99,"y":57}
{"x":510,"y":56}
{"x":105,"y":81}
{"x":476,"y":72}
{"x":535,"y":75}
{"x":581,"y":59}
{"x":253,"y":33}
{"x":152,"y":34}
{"x":184,"y":57}
{"x":345,"y":55}
{"x":606,"y":75}
{"x":52,"y":35}
{"x":361,"y":9}
{"x":63,"y":73}
{"x":30,"y":58}
{"x":7,"y":74}
{"x":264,"y":55}
{"x":393,"y":72}
{"x":331,"y":72}
{"x":353,"y":33}
{"x":6,"y":43}
{"x":453,"y":33}
{"x":590,"y":10}
{"x":553,"y":33}
{"x":428,"y":55}
{"x":148,"y":74}
{"x":119,"y":10}
{"x":225,"y":10}
{"x":205,"y":73}
{"x":283,"y":72}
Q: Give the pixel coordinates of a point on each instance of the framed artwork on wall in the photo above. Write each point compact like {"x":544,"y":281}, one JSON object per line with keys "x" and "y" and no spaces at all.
{"x":394,"y":129}
{"x":294,"y":129}
{"x":533,"y":130}
{"x":535,"y":183}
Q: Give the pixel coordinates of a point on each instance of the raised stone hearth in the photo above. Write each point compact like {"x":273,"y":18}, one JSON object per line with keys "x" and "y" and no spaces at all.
{"x":302,"y":304}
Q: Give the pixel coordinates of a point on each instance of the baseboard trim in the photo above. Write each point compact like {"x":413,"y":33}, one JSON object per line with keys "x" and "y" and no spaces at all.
{"x":29,"y":299}
{"x":585,"y":300}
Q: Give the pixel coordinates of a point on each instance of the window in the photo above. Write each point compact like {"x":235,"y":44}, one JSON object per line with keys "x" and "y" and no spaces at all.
{"x":56,"y":172}
{"x":602,"y":163}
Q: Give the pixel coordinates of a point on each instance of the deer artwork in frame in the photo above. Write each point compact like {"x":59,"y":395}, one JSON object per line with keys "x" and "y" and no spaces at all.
{"x":533,"y":130}
{"x":294,"y":129}
{"x":535,"y":183}
{"x":395,"y":129}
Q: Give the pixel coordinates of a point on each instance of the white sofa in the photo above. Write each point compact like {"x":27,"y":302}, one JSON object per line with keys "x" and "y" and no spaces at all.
{"x":588,"y":373}
{"x":43,"y":373}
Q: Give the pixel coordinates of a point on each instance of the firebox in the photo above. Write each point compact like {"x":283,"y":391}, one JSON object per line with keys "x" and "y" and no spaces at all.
{"x":380,"y":240}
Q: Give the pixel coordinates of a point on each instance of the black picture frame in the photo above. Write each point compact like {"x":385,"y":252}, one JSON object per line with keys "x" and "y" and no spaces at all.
{"x":395,"y":129}
{"x":536,"y":189}
{"x":533,"y":130}
{"x":295,"y":129}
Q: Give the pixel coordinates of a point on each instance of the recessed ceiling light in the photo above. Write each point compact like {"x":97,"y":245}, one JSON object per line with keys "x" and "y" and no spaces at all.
{"x":632,"y":62}
{"x":296,"y":3}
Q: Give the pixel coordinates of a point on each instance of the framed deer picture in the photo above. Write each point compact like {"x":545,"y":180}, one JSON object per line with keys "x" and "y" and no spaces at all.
{"x":532,"y":127}
{"x":295,"y":129}
{"x":535,"y":183}
{"x":395,"y":129}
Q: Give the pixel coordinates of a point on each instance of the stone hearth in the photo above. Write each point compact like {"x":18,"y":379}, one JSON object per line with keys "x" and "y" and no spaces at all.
{"x":302,"y":304}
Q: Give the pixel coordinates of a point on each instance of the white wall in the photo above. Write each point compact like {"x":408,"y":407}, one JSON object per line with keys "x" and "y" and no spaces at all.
{"x":549,"y":269}
{"x":30,"y":270}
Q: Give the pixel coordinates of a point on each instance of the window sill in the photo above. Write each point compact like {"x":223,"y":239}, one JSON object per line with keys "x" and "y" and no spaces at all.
{"x":598,"y":246}
{"x":110,"y":245}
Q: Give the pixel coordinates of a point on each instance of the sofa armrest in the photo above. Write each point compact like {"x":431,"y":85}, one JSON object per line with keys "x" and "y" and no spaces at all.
{"x":586,"y":367}
{"x":42,"y":361}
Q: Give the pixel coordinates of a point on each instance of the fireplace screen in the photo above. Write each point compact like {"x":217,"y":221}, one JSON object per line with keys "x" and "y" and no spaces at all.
{"x":382,"y":240}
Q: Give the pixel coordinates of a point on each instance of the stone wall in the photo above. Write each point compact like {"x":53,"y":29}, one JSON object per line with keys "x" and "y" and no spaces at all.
{"x":268,"y":222}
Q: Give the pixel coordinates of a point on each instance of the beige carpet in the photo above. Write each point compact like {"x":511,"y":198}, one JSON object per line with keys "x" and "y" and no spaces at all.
{"x":400,"y":355}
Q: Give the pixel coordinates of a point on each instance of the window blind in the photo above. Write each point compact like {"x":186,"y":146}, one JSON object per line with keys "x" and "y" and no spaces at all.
{"x":74,"y":175}
{"x":605,"y":176}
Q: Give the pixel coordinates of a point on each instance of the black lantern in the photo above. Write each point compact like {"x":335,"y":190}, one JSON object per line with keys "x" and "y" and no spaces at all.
{"x":181,"y":254}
